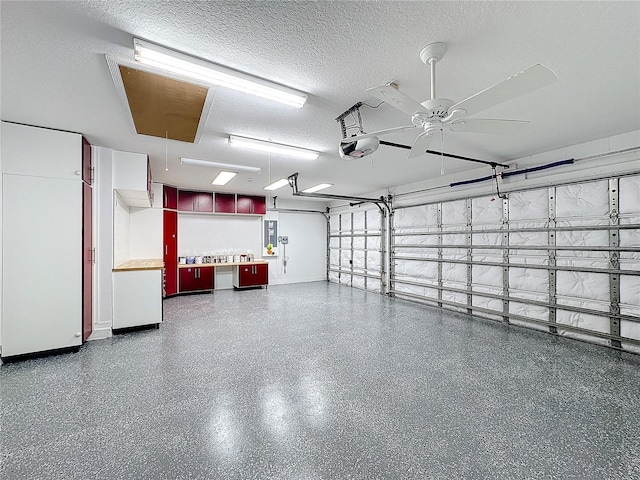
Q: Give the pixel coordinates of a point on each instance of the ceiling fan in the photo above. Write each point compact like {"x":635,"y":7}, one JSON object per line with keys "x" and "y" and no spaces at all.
{"x":436,"y":114}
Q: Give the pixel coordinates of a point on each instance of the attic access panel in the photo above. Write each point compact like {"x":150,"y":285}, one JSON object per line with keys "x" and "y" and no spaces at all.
{"x":161,"y":106}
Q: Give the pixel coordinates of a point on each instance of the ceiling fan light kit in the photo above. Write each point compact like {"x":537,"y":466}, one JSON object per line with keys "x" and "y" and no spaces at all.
{"x":437,"y":114}
{"x":184,"y":65}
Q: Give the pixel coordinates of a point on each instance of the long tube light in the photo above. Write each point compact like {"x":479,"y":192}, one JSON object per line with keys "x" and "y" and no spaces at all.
{"x":225,"y":166}
{"x":181,"y":64}
{"x":271,"y":147}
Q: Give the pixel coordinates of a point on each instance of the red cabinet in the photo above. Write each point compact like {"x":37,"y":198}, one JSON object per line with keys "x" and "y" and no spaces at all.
{"x":87,"y":163}
{"x":195,"y":201}
{"x":251,"y":275}
{"x":170,"y":254}
{"x":225,"y":203}
{"x":170,"y":198}
{"x":87,"y":261}
{"x":251,"y":204}
{"x":194,"y":279}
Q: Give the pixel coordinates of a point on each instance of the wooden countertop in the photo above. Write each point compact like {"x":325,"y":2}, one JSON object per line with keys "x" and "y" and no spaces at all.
{"x":140,"y":264}
{"x":221,"y":264}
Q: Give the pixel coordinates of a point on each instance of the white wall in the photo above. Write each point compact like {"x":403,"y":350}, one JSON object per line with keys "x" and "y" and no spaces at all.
{"x":218,"y":234}
{"x":145,"y":232}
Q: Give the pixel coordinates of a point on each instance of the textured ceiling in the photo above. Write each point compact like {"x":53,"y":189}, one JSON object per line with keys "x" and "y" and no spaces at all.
{"x":54,"y":74}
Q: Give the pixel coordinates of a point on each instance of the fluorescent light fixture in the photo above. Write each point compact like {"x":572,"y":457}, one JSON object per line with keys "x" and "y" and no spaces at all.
{"x":315,"y":188}
{"x":277,"y":184}
{"x":223,"y":178}
{"x":185,"y":65}
{"x":225,"y":166}
{"x":271,"y":147}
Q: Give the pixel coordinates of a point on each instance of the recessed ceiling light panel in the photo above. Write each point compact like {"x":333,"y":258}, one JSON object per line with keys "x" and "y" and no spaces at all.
{"x":223,"y":178}
{"x":283,"y":182}
{"x":315,"y":188}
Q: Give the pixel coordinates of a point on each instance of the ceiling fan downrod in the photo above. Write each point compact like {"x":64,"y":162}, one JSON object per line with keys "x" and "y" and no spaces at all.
{"x":430,"y":55}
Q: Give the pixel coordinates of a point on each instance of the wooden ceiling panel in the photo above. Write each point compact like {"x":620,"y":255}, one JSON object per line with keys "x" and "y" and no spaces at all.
{"x":162,"y":106}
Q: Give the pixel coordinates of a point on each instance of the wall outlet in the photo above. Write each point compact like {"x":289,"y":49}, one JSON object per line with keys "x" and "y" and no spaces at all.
{"x":283,"y":239}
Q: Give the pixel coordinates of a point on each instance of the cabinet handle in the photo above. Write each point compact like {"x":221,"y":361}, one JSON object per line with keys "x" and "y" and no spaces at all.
{"x":165,"y":250}
{"x":93,"y":255}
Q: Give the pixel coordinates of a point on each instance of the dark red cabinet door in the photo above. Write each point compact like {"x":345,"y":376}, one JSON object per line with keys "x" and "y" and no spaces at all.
{"x":187,"y":279}
{"x":243,"y":204}
{"x":204,"y":202}
{"x":225,"y":202}
{"x":186,"y":201}
{"x":259,"y":205}
{"x":87,"y":163}
{"x":170,"y":228}
{"x":205,"y":278}
{"x":170,"y":198}
{"x":261,"y":274}
{"x":252,"y":204}
{"x":246,"y":275}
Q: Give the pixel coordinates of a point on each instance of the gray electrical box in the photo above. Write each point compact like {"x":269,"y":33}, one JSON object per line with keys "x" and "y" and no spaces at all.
{"x":284,"y":240}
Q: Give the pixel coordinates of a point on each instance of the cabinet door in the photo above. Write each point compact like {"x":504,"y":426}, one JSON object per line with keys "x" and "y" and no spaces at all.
{"x":170,"y":228}
{"x":204,"y":278}
{"x":87,"y":163}
{"x":225,"y":202}
{"x":261,"y":274}
{"x":245,"y":275}
{"x":204,"y":202}
{"x":186,"y":201}
{"x":42,"y":264}
{"x":244,"y":204}
{"x":187,"y":279}
{"x":170,"y":198}
{"x":87,"y":262}
{"x":260,"y":205}
{"x":252,"y":204}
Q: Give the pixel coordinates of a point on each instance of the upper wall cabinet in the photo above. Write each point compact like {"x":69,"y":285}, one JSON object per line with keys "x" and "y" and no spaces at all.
{"x":251,"y":204}
{"x":189,"y":201}
{"x":132,"y":178}
{"x":225,"y":202}
{"x":170,"y":198}
{"x":40,"y":152}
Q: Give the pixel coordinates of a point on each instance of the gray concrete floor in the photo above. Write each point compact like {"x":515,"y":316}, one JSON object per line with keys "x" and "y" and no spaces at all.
{"x":317,"y":381}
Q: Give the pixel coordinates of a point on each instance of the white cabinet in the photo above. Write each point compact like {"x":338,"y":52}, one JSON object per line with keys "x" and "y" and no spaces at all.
{"x":41,"y":152}
{"x":132,"y":178}
{"x":42,"y":229}
{"x":137,"y":298}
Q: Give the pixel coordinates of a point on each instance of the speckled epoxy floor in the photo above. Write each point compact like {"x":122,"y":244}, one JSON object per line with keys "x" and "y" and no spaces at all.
{"x":314,"y":381}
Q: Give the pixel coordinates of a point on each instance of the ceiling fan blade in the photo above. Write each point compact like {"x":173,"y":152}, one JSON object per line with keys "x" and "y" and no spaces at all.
{"x":522,"y":82}
{"x":488,"y":125}
{"x":396,"y":98}
{"x":421,"y":144}
{"x":355,"y":138}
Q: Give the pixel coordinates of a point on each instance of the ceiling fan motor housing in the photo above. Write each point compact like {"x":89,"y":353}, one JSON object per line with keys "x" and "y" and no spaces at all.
{"x":435,"y":110}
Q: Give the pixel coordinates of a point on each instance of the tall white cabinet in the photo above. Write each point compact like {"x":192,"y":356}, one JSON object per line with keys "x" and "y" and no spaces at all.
{"x":46,"y":254}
